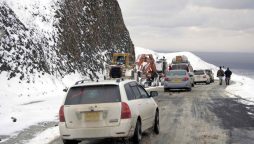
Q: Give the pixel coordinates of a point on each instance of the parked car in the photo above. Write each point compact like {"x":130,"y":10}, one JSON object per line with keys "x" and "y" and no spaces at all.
{"x":107,"y":109}
{"x":210,"y":73}
{"x":177,"y":79}
{"x":200,"y":76}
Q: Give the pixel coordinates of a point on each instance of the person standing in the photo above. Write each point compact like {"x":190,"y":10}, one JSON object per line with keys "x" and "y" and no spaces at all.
{"x":228,"y":74}
{"x":220,"y":75}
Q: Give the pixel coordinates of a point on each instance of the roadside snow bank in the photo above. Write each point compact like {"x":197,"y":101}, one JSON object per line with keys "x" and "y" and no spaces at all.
{"x":46,"y":136}
{"x":242,"y":87}
{"x":30,"y":103}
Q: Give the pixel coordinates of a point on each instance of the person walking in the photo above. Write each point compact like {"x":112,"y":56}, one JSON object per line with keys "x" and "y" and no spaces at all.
{"x":220,"y":75}
{"x":228,"y":74}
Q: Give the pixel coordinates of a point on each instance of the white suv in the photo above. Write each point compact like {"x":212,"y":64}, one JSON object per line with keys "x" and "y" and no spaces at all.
{"x":200,"y":76}
{"x":107,"y":109}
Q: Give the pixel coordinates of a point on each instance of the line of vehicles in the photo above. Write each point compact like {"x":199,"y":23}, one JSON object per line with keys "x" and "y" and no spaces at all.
{"x":119,"y":107}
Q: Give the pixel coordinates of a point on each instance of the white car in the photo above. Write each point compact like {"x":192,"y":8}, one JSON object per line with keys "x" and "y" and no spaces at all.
{"x":200,"y":76}
{"x":107,"y":109}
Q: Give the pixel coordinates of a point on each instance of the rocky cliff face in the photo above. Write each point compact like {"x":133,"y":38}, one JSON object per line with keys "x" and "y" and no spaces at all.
{"x":79,"y":37}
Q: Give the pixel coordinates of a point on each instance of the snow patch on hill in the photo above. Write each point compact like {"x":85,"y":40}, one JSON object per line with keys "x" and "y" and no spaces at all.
{"x":38,"y":14}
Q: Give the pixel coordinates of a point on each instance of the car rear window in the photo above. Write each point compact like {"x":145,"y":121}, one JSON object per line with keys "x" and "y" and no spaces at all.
{"x":180,"y":67}
{"x":93,"y":94}
{"x":199,"y":72}
{"x":176,"y":73}
{"x":208,"y":71}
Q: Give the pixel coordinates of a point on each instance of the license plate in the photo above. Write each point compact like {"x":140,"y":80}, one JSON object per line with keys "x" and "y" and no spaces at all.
{"x":92,"y":116}
{"x":177,"y":81}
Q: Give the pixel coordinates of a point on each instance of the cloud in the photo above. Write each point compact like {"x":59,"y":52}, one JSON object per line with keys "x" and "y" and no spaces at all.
{"x":226,"y":4}
{"x":192,"y":25}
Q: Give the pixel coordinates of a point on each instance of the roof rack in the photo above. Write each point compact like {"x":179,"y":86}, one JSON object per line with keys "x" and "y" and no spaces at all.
{"x":119,"y":79}
{"x":82,"y":81}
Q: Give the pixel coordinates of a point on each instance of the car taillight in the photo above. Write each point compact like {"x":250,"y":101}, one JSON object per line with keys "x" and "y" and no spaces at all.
{"x":125,"y":112}
{"x":167,"y":79}
{"x":61,"y":114}
{"x":185,"y":78}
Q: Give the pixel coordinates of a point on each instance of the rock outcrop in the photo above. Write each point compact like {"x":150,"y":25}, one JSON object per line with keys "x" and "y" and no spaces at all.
{"x":84,"y":36}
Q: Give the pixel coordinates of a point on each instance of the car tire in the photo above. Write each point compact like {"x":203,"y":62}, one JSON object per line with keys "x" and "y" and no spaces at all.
{"x":193,"y":85}
{"x":70,"y":142}
{"x":189,"y":89}
{"x":137,"y":133}
{"x":156,"y":127}
{"x":165,"y":90}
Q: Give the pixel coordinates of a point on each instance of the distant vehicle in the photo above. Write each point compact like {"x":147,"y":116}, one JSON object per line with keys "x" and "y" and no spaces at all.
{"x":146,"y":69}
{"x":122,"y":66}
{"x":182,"y":63}
{"x":107,"y":109}
{"x":177,"y":79}
{"x":210,"y":73}
{"x":161,"y":67}
{"x":200,"y":76}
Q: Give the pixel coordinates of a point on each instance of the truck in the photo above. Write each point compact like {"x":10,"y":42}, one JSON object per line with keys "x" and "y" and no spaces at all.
{"x":182,"y":62}
{"x":122,"y":66}
{"x":146,"y":70}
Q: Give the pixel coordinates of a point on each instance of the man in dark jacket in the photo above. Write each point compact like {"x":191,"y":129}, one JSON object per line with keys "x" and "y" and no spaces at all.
{"x":228,"y":74}
{"x":220,"y":75}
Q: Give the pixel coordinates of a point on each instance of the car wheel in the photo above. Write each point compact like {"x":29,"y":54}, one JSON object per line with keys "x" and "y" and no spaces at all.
{"x":189,"y":89}
{"x":165,"y":89}
{"x":156,"y":127}
{"x":192,"y":84}
{"x":70,"y":142}
{"x":138,"y":133}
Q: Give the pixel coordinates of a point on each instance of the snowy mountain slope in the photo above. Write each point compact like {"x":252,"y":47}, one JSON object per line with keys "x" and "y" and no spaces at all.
{"x":47,"y":46}
{"x":60,"y":37}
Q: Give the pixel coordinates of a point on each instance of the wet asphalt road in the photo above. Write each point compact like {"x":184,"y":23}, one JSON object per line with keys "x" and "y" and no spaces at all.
{"x":204,"y":116}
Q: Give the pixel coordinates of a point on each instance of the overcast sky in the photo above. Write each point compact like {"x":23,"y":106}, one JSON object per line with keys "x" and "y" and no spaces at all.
{"x":191,"y":25}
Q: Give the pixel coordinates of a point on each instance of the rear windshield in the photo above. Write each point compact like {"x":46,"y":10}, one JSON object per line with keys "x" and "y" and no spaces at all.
{"x":208,"y":71}
{"x":199,"y":72}
{"x":176,"y":73}
{"x":93,"y":94}
{"x":180,"y":66}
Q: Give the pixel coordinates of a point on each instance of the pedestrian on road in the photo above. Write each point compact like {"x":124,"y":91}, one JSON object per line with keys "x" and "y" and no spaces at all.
{"x":228,"y":74}
{"x":220,"y":75}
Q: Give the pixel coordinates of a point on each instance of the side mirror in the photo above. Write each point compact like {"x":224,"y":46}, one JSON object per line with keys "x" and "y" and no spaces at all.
{"x":153,"y":93}
{"x":191,"y":75}
{"x":65,"y":90}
